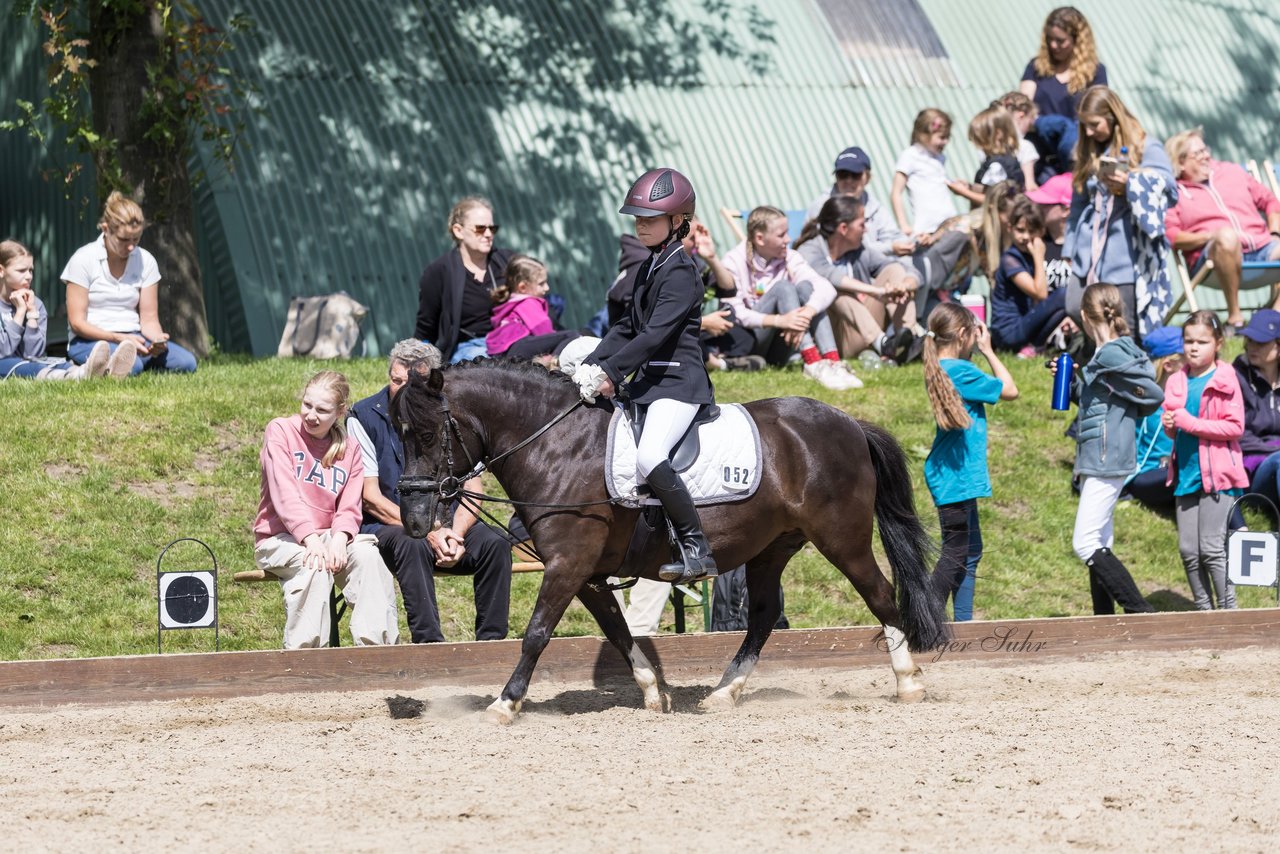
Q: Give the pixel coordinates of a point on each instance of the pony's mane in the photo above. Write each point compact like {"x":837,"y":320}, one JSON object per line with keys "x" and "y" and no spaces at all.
{"x":514,"y":366}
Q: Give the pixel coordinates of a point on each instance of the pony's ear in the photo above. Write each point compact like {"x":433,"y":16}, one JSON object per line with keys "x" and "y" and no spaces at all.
{"x":435,"y":380}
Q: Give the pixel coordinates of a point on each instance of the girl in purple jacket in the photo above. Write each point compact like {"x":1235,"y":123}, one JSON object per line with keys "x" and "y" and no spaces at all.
{"x":1204,"y":414}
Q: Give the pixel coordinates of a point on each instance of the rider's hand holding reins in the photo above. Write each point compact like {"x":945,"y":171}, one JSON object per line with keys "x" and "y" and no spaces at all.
{"x":592,"y":380}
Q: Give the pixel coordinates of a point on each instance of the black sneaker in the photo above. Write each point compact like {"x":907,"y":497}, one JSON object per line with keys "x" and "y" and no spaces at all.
{"x":900,"y":346}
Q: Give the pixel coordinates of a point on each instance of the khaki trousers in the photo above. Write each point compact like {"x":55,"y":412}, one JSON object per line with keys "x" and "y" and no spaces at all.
{"x":366,"y":584}
{"x":859,"y":320}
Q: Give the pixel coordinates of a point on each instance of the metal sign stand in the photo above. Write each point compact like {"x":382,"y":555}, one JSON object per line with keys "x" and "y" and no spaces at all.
{"x":1253,"y":557}
{"x":187,"y":598}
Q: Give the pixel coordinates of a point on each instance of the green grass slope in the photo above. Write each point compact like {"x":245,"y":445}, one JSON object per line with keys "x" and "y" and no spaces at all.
{"x":100,"y":476}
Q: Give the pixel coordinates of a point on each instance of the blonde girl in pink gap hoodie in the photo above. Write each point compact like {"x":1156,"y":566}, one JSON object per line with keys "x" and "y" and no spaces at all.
{"x":307,"y":529}
{"x":1204,"y":413}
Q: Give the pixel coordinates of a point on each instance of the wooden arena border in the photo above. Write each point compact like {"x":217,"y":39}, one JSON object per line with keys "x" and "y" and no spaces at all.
{"x":679,"y":658}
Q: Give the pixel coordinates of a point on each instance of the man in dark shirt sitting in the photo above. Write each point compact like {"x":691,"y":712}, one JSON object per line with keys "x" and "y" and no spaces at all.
{"x":467,"y":547}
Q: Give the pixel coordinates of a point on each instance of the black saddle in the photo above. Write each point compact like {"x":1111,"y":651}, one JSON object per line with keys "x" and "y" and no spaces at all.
{"x":686,"y":450}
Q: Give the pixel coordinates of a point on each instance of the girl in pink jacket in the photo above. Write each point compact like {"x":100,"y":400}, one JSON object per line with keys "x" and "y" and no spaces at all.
{"x":307,"y":532}
{"x":1204,"y":414}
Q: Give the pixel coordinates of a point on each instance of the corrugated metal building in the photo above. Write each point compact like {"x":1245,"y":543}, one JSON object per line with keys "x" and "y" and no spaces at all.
{"x":378,"y":114}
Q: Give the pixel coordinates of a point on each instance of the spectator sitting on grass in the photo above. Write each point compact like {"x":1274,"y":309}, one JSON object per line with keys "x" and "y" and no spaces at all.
{"x":875,"y":306}
{"x":1258,"y":369}
{"x":454,"y":300}
{"x":24,"y":326}
{"x":784,"y":302}
{"x":112,"y":294}
{"x":934,"y":261}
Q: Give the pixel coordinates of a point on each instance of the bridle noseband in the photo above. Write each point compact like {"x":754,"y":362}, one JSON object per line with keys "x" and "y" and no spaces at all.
{"x":450,"y":486}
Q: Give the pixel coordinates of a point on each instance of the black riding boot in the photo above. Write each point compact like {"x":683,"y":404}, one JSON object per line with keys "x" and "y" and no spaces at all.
{"x":695,"y":551}
{"x":1118,"y":582}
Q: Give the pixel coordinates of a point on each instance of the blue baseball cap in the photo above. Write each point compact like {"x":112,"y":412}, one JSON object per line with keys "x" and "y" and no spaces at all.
{"x":1163,"y":341}
{"x":1263,"y":327}
{"x":853,"y":159}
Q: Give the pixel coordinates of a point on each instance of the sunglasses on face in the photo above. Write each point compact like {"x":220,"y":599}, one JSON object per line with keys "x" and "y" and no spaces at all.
{"x":481,"y":229}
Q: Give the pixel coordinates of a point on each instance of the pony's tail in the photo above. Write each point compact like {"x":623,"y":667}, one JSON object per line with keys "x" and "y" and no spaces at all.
{"x":906,"y":544}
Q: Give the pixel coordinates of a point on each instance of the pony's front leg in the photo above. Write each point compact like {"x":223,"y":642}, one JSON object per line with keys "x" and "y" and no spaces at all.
{"x":602,"y":604}
{"x":910,"y":687}
{"x":558,"y":589}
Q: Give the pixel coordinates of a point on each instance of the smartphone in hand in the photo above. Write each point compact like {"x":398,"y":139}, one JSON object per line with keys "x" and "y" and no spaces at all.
{"x":1107,"y":166}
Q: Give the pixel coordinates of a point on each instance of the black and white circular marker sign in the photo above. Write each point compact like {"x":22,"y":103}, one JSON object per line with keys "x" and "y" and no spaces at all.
{"x":188,"y":600}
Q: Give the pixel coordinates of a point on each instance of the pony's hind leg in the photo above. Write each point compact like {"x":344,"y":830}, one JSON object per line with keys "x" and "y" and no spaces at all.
{"x":858,"y":563}
{"x":910,"y":685}
{"x":763,"y":607}
{"x":602,"y":604}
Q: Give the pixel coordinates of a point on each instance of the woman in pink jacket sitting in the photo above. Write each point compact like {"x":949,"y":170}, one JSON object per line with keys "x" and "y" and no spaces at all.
{"x":307,"y":529}
{"x":1204,"y":413}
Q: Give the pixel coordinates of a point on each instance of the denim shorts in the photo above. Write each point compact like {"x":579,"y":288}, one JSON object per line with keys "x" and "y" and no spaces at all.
{"x":1263,"y":253}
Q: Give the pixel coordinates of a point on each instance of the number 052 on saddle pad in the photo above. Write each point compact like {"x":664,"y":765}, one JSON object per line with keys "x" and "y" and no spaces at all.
{"x":727,"y":467}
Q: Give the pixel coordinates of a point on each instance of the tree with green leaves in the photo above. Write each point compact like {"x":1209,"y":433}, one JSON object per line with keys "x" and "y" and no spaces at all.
{"x":132,"y":85}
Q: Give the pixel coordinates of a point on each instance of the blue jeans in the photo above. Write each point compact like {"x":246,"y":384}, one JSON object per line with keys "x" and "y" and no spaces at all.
{"x":1266,"y":480}
{"x":15,"y":367}
{"x":962,"y":599}
{"x":175,"y":359}
{"x":784,"y":296}
{"x":1035,"y":326}
{"x":468,"y":350}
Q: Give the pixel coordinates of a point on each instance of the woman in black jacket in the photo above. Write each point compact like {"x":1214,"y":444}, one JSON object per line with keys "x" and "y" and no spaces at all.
{"x":454,"y":299}
{"x":657,"y":341}
{"x":1258,"y":369}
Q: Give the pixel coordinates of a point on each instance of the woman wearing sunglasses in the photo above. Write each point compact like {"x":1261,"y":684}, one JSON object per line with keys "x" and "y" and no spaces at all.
{"x":454,"y":294}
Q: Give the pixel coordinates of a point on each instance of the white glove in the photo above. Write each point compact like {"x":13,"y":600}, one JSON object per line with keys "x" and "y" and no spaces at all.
{"x":588,"y":378}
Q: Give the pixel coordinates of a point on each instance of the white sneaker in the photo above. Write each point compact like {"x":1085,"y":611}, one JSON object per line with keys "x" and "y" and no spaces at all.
{"x":832,"y":375}
{"x":120,"y":364}
{"x":96,"y":364}
{"x":844,"y":373}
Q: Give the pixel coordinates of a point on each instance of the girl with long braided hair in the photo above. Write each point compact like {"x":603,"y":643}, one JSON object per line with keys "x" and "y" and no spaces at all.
{"x":956,"y":468}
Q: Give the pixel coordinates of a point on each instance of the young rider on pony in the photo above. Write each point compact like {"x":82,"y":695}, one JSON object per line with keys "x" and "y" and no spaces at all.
{"x":657,"y":340}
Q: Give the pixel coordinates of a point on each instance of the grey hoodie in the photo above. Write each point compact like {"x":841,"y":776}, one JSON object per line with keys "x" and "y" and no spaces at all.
{"x":1117,"y":388}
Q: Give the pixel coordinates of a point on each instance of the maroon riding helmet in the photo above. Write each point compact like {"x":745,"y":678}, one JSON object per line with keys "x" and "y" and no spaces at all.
{"x":659,"y":192}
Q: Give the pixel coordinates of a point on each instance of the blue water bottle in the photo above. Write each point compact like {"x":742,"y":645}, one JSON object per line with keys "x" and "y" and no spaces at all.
{"x":1062,"y":383}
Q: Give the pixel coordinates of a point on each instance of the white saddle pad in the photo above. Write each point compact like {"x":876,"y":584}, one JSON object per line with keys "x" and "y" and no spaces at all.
{"x":727,"y":467}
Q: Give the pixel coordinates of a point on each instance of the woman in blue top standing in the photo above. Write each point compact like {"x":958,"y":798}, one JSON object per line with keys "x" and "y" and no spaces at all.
{"x":657,"y":341}
{"x":1055,"y":80}
{"x":956,"y":469}
{"x":1122,"y":186}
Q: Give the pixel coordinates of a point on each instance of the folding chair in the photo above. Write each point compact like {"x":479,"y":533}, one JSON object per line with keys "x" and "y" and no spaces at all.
{"x":1253,"y":275}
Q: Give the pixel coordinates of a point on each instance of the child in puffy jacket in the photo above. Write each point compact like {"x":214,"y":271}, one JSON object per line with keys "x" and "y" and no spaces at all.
{"x":1117,"y":388}
{"x":522,"y":325}
{"x":1204,"y":413}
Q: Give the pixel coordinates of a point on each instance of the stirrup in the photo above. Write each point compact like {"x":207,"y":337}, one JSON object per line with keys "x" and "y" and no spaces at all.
{"x":689,"y":571}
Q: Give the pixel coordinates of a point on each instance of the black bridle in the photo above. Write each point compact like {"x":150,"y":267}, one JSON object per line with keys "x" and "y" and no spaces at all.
{"x":450,"y":487}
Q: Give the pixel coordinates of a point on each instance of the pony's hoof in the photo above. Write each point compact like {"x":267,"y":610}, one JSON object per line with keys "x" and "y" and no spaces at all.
{"x":503,"y":711}
{"x":911,"y":695}
{"x":658,"y":703}
{"x":719,"y":701}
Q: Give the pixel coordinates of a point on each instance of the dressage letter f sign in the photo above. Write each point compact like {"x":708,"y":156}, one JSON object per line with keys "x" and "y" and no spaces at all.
{"x":1251,"y":558}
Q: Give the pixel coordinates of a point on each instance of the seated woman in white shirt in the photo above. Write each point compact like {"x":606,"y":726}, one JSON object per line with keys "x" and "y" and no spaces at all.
{"x":112,"y":294}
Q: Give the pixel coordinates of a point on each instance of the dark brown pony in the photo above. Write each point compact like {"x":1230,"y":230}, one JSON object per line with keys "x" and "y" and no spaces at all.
{"x":825,"y":477}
